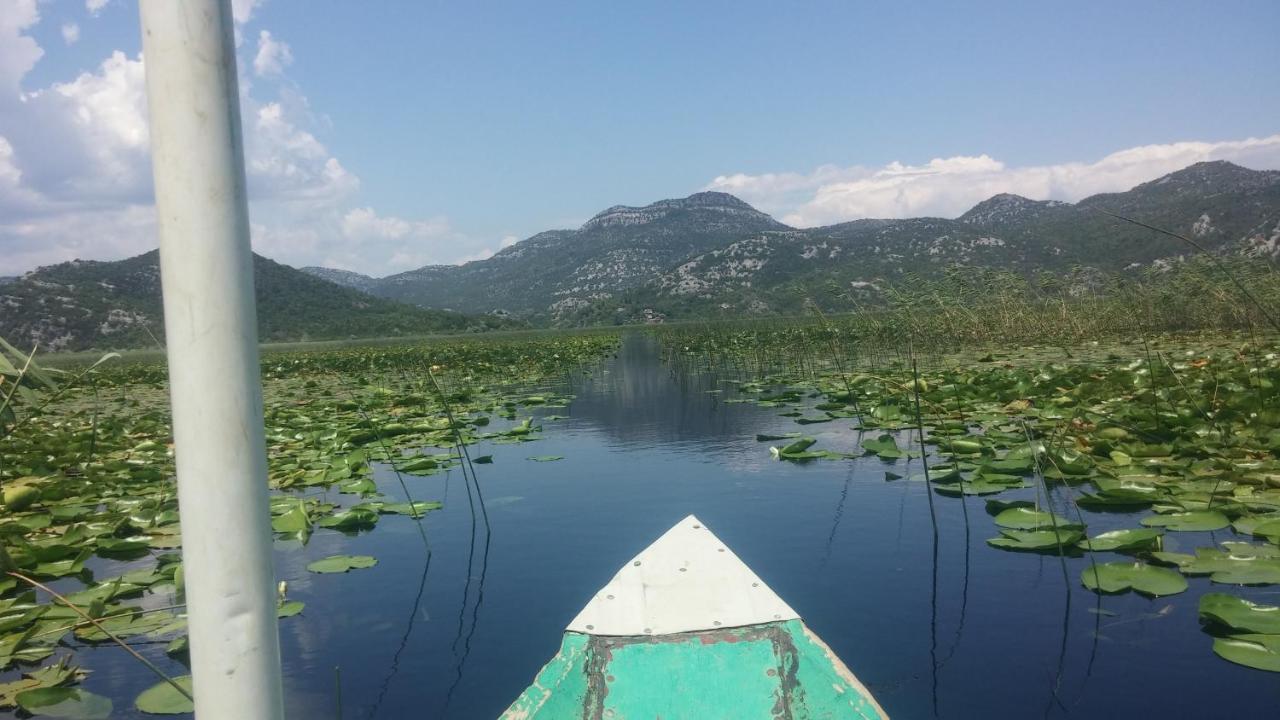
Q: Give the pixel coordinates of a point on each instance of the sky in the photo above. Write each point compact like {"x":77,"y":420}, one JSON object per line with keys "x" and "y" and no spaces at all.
{"x":383,"y":136}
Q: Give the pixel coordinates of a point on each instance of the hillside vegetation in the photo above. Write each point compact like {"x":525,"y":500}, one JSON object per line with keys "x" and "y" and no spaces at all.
{"x":711,"y":255}
{"x":85,"y":304}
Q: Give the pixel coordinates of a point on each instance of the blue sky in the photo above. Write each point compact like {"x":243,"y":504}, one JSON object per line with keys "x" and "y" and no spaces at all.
{"x":459,"y":127}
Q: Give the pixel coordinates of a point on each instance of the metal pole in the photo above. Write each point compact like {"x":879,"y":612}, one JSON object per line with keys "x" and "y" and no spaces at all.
{"x":206,"y":270}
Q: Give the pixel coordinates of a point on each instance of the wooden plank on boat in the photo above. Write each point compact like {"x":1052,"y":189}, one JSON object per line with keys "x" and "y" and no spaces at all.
{"x":687,"y":630}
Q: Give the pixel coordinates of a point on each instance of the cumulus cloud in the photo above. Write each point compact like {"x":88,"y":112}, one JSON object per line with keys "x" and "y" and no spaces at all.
{"x":406,"y":244}
{"x":364,"y":222}
{"x":241,"y":10}
{"x":95,"y":6}
{"x":273,"y":55}
{"x":75,"y":176}
{"x":947,"y":187}
{"x":70,"y":33}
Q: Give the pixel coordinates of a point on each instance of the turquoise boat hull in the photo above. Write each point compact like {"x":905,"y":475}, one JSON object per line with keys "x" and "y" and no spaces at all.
{"x":772,"y":670}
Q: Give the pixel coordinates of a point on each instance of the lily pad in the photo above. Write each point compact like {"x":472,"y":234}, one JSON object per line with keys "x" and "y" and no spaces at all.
{"x":289,"y":608}
{"x":1035,"y":540}
{"x":883,"y":447}
{"x":417,"y":507}
{"x":1117,"y":577}
{"x":1239,"y":614}
{"x":64,"y":702}
{"x":164,"y":699}
{"x":1129,"y":539}
{"x":1198,"y":520}
{"x":1261,"y":652}
{"x":546,"y":458}
{"x":1025,"y":518}
{"x":342,"y":563}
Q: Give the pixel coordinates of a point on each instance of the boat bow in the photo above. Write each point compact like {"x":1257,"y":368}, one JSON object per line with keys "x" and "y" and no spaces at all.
{"x":686,"y":630}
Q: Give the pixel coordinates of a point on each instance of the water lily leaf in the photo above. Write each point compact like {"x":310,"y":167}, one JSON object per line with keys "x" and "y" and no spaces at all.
{"x":1025,"y":518}
{"x":164,"y":699}
{"x":288,"y":608}
{"x":1035,"y":540}
{"x":1228,"y":568}
{"x":995,"y":507}
{"x":1239,"y":614}
{"x":1131,"y":539}
{"x":342,"y":563}
{"x":963,"y":447}
{"x":1261,"y":652}
{"x":350,"y":520}
{"x":1117,"y":577}
{"x":418,"y":507}
{"x":883,"y":447}
{"x":979,"y":485}
{"x":1199,"y":520}
{"x":1018,"y":465}
{"x":1260,"y":526}
{"x":546,"y":458}
{"x":294,"y":522}
{"x":798,"y":446}
{"x":64,"y":702}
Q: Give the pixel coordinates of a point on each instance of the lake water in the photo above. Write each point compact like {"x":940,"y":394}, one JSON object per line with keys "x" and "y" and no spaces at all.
{"x":964,"y":632}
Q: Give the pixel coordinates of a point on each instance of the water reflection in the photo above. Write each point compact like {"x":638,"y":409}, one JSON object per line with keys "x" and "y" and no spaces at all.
{"x":934,"y":626}
{"x":636,"y":400}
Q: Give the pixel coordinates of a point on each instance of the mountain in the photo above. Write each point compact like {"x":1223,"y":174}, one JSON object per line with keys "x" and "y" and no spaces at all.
{"x":554,"y":274}
{"x":712,"y":254}
{"x":345,"y":278}
{"x":80,"y":305}
{"x":1223,"y":207}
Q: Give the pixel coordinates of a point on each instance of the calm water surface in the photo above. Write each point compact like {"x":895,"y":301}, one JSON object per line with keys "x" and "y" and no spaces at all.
{"x":967,"y":632}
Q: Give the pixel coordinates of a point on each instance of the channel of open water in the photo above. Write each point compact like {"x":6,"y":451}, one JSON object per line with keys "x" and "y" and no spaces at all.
{"x":457,"y":627}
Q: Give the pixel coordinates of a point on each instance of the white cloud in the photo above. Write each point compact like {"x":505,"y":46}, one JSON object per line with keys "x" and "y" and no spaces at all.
{"x":95,"y":6}
{"x":18,"y":52}
{"x":75,"y":176}
{"x":288,"y":163}
{"x":241,"y":10}
{"x":507,"y":241}
{"x":70,"y":33}
{"x":366,"y":223}
{"x":947,"y":187}
{"x":273,"y":55}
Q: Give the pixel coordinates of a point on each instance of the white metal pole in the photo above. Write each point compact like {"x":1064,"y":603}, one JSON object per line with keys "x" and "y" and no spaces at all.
{"x":206,"y":270}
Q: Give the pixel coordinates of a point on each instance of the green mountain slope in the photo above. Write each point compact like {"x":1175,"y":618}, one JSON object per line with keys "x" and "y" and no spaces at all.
{"x":84,"y":304}
{"x":711,"y":254}
{"x":1224,"y":207}
{"x":555,"y":274}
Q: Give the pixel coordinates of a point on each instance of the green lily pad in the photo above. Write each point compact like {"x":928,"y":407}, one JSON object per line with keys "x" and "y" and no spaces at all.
{"x":1198,"y":520}
{"x":1025,"y":518}
{"x":1261,"y":652}
{"x":883,"y":447}
{"x":163,"y":699}
{"x":1130,"y":539}
{"x":1117,"y":577}
{"x":342,"y":563}
{"x":1035,"y":540}
{"x":1239,"y":614}
{"x":64,"y":702}
{"x":546,"y":458}
{"x":289,"y":608}
{"x":1226,"y":566}
{"x":417,"y":507}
